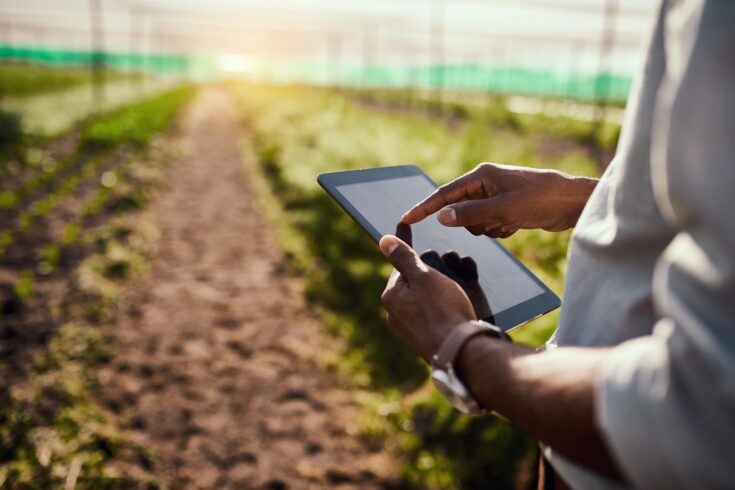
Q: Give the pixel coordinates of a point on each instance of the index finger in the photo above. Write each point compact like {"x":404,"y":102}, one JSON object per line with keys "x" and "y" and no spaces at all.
{"x":455,"y":191}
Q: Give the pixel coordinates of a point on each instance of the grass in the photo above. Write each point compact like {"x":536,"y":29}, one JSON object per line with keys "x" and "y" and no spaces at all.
{"x":300,"y":132}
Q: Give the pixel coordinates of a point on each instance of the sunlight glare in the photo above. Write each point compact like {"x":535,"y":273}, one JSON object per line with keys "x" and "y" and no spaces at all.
{"x":234,"y":63}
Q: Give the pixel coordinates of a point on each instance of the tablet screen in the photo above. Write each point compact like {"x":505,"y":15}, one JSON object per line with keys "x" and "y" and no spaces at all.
{"x":383,"y":202}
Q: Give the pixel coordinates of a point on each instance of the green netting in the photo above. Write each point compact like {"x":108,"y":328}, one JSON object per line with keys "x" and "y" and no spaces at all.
{"x":159,"y":63}
{"x":511,"y":80}
{"x":507,"y":79}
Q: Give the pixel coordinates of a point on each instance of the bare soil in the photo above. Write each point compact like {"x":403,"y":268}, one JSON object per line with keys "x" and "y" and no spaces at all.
{"x":216,"y":365}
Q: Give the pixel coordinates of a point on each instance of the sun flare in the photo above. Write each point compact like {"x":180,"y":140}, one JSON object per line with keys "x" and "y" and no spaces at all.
{"x":234,"y":63}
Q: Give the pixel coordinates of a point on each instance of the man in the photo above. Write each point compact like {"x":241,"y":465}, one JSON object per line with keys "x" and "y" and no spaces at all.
{"x":637,"y":386}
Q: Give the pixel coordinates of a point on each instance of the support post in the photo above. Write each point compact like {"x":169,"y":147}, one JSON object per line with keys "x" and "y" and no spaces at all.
{"x":98,"y":51}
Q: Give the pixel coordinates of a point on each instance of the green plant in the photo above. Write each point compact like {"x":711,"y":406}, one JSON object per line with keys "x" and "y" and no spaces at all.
{"x":10,"y":129}
{"x":51,"y":424}
{"x":64,"y":177}
{"x":24,"y":285}
{"x":22,"y":79}
{"x":135,"y":124}
{"x":52,"y":432}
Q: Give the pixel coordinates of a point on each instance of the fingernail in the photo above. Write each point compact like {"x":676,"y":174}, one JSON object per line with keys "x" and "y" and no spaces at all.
{"x":387,"y":244}
{"x":447,"y":216}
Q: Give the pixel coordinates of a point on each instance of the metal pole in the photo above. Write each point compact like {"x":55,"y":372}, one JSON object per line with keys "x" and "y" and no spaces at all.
{"x":158,"y":48}
{"x":98,"y":54}
{"x":147,"y":41}
{"x":334,"y":48}
{"x":7,"y":33}
{"x":602,"y":86}
{"x":369,"y":56}
{"x":573,"y":72}
{"x":7,"y":39}
{"x":165,"y":51}
{"x":602,"y":83}
{"x":437,"y":48}
{"x":504,"y":78}
{"x":136,"y":44}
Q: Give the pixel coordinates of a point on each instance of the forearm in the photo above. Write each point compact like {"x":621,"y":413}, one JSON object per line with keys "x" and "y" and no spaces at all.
{"x":574,"y":192}
{"x":549,"y":395}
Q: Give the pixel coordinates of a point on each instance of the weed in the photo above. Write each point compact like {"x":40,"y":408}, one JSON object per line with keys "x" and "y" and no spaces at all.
{"x":70,"y":234}
{"x":24,"y":285}
{"x":8,"y":199}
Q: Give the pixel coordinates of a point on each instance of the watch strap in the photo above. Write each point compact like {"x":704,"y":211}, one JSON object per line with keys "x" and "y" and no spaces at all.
{"x":458,"y":337}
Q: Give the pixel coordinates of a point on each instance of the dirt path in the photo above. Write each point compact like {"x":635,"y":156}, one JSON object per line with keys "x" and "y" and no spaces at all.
{"x":215,"y":351}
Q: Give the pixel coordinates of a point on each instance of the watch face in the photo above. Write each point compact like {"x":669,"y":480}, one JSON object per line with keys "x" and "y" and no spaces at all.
{"x":442,"y":384}
{"x":453,"y":390}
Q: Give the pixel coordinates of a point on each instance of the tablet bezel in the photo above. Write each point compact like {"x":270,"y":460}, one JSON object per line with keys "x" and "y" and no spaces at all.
{"x":508,"y":319}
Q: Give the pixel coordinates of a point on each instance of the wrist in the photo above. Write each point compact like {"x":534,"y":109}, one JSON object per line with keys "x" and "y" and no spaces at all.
{"x":572,"y":194}
{"x":435,"y":342}
{"x":444,"y":373}
{"x":480,"y":351}
{"x":485,"y":366}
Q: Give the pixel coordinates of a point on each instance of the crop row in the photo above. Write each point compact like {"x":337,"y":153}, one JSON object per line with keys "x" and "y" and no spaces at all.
{"x":132,"y":125}
{"x":108,"y":197}
{"x":51,"y":409}
{"x":49,"y":171}
{"x":494,"y":110}
{"x":135,"y":125}
{"x":43,"y":206}
{"x":21,"y":79}
{"x":99,"y":145}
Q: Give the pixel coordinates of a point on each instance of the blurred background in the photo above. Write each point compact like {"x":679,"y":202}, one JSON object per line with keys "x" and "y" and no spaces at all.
{"x":583,"y":49}
{"x":95,"y":96}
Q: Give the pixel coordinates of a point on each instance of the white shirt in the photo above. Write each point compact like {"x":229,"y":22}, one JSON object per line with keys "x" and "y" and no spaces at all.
{"x":652,"y":264}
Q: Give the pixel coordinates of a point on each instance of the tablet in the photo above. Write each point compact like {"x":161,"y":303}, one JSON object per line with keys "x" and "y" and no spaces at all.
{"x":376,"y":198}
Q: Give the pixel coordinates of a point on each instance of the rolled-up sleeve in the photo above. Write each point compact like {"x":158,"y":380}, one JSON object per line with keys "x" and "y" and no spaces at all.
{"x":666,"y":402}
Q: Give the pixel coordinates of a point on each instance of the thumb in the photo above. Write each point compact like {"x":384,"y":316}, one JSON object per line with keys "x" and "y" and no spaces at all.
{"x":403,"y":257}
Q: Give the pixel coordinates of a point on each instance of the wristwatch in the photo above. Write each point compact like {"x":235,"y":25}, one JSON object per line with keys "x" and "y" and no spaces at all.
{"x":443,"y":374}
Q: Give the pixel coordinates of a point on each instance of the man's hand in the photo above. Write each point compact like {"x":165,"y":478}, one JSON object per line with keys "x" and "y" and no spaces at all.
{"x":423,"y":304}
{"x":498,"y":200}
{"x":550,"y":395}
